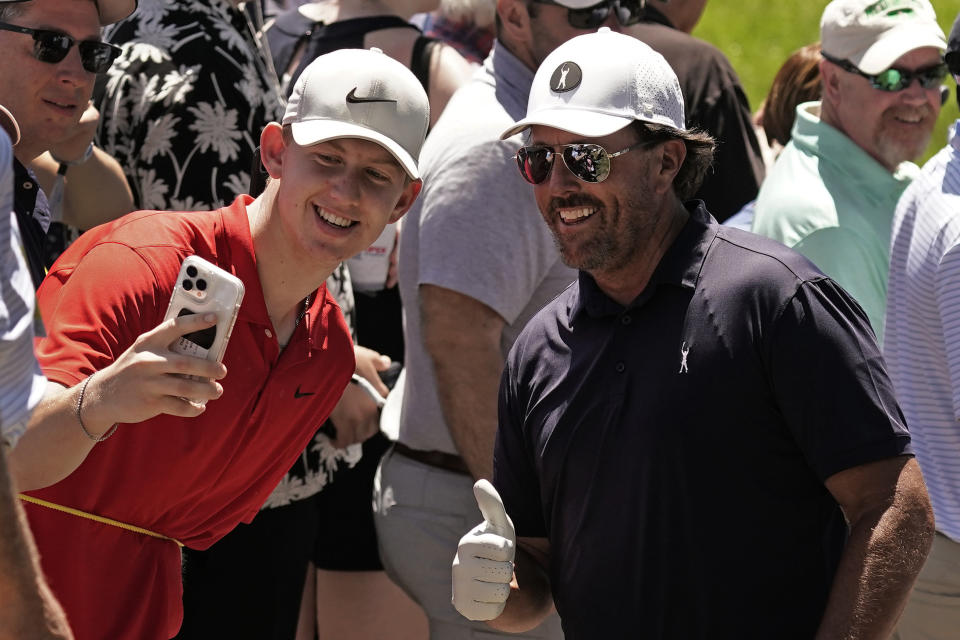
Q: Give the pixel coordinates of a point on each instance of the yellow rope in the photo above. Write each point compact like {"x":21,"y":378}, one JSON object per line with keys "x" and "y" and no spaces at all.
{"x":96,"y":518}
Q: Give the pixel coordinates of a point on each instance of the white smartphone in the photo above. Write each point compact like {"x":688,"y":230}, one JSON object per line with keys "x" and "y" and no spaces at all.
{"x":203,"y":287}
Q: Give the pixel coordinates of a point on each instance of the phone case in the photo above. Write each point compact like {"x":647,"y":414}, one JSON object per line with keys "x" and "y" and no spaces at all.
{"x":203,"y":287}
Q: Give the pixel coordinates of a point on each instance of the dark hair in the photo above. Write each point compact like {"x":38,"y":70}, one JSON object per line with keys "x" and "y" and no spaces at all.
{"x":797,"y":81}
{"x":700,"y":148}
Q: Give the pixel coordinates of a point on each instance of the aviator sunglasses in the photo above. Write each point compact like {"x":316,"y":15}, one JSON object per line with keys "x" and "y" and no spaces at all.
{"x":896,"y":79}
{"x":53,"y":46}
{"x":627,"y":11}
{"x":588,"y":162}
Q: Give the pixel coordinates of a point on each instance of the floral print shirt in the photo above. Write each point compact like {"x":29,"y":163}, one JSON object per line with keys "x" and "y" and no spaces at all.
{"x":185,"y":102}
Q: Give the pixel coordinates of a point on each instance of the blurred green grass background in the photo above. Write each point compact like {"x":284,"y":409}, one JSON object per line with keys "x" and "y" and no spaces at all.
{"x":758,"y":36}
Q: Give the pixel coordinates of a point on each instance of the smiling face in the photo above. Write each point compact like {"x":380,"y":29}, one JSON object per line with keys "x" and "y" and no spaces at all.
{"x":46,"y":99}
{"x":598,"y":227}
{"x":335,"y":197}
{"x":892,"y":127}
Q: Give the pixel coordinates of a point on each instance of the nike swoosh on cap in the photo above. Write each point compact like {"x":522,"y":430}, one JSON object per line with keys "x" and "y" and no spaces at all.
{"x":352,"y":97}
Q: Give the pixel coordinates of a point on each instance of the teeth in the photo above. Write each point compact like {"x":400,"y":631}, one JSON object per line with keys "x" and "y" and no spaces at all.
{"x":334,"y":220}
{"x":569,"y":215}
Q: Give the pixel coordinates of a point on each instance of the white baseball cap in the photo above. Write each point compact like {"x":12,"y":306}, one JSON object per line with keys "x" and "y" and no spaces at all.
{"x":598,"y":83}
{"x":110,"y":10}
{"x":873,"y":34}
{"x":359,"y":93}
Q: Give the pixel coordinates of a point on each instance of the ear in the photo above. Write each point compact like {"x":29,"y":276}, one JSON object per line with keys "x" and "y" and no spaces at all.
{"x":830,"y":81}
{"x":515,"y":27}
{"x":272,"y":146}
{"x":407,"y":198}
{"x":672,"y":154}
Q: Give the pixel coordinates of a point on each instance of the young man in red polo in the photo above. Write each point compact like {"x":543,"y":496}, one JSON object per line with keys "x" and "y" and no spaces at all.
{"x":343,"y":165}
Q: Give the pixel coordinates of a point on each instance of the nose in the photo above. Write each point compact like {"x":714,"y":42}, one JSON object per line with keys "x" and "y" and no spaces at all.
{"x":344,"y":188}
{"x":914,"y":93}
{"x":612,"y":20}
{"x":561,"y":179}
{"x":70,"y":69}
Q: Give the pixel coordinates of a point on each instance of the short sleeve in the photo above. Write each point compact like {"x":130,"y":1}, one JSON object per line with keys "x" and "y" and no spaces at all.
{"x":95,"y":313}
{"x":830,"y":381}
{"x":947,"y":292}
{"x":846,"y":258}
{"x":21,"y":383}
{"x":481,"y":233}
{"x":514,"y":474}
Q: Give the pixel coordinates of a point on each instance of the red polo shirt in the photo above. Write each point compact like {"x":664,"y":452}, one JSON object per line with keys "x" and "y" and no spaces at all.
{"x":192,"y":479}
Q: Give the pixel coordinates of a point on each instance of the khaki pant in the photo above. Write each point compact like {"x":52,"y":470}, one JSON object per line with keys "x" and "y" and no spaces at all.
{"x":933,"y":611}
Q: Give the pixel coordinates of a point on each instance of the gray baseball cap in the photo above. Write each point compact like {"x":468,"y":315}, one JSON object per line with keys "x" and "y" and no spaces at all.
{"x":361,"y":93}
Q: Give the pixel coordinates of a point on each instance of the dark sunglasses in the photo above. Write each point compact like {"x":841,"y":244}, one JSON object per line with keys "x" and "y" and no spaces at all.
{"x":627,"y":11}
{"x":896,"y":79}
{"x":589,"y":162}
{"x":53,"y":46}
{"x":952,"y":58}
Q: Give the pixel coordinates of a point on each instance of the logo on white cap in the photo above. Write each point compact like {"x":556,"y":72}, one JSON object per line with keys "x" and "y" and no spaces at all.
{"x":566,"y":77}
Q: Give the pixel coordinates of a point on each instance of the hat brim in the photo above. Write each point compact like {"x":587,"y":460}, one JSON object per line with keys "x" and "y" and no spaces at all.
{"x":311,"y":132}
{"x":590,"y":124}
{"x":884,"y":52}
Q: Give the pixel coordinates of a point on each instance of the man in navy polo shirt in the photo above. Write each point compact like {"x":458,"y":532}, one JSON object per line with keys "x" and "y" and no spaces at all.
{"x":698,"y":438}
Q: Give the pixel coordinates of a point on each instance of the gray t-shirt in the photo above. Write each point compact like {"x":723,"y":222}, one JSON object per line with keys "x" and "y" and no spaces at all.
{"x":475,"y":229}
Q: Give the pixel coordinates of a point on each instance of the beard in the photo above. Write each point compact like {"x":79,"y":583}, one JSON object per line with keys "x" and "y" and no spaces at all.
{"x":618,"y":232}
{"x":897,"y":149}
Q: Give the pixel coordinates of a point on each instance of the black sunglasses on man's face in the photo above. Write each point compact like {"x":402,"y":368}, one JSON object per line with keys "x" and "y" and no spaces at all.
{"x":627,"y":12}
{"x":53,"y":47}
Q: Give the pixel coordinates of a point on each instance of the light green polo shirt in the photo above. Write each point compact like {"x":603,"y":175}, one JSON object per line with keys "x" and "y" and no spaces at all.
{"x":828,"y":199}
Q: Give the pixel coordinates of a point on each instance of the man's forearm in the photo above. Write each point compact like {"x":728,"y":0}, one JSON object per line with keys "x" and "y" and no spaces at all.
{"x":462,"y":337}
{"x":53,"y":444}
{"x":884,"y":553}
{"x":95,"y":191}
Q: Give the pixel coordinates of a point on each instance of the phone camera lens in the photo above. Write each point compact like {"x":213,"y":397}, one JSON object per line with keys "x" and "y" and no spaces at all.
{"x":202,"y":284}
{"x":192,"y":271}
{"x":187,"y":285}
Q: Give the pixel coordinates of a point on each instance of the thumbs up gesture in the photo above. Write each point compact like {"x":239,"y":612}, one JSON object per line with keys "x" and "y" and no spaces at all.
{"x":483,"y":566}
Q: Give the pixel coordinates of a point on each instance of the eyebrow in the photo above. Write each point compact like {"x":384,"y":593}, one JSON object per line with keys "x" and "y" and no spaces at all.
{"x":98,"y":37}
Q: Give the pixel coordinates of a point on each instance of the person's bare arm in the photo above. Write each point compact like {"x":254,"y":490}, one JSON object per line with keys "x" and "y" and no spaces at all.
{"x":357,"y":416}
{"x":891,"y":531}
{"x":145,"y":381}
{"x":96,"y":190}
{"x":448,"y":72}
{"x":462,"y":336}
{"x":28,"y":610}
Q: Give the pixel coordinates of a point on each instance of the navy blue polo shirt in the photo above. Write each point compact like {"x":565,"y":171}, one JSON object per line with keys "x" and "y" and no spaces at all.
{"x":674,"y":451}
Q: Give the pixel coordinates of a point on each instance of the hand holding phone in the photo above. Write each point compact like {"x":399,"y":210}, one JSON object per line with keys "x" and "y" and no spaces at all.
{"x":203,"y":287}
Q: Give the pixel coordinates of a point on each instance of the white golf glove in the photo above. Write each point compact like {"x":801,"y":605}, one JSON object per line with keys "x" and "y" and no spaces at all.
{"x":483,"y":566}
